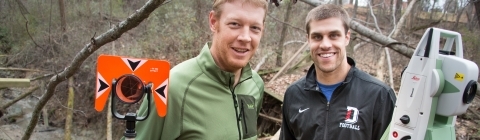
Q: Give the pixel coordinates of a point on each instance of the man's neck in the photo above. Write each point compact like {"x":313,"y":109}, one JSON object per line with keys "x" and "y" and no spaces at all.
{"x":333,"y":77}
{"x":237,"y":73}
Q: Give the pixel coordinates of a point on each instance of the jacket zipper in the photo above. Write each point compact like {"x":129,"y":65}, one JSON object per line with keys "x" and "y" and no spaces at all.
{"x":236,"y":104}
{"x":326,"y":122}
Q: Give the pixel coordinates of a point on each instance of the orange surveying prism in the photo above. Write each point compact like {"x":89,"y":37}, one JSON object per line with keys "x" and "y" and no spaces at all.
{"x":129,"y":79}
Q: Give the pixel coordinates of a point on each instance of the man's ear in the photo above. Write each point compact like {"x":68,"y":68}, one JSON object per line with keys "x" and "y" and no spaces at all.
{"x":212,"y":20}
{"x":308,"y":39}
{"x":347,"y":36}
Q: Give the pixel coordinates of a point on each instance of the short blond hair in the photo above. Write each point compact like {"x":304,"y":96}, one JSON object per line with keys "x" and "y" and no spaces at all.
{"x":217,"y":4}
{"x":326,"y":11}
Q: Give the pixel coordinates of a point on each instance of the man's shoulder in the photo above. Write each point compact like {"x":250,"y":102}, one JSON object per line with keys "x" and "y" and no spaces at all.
{"x":257,"y":78}
{"x":295,"y":86}
{"x":366,"y":78}
{"x":186,"y":67}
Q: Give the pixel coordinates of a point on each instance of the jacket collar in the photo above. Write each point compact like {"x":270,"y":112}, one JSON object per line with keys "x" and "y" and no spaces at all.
{"x":311,"y":78}
{"x":210,"y":69}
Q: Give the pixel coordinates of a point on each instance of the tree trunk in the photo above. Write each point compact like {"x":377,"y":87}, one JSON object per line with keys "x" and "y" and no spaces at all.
{"x":283,"y":34}
{"x":477,"y":11}
{"x":469,"y":17}
{"x":355,"y":8}
{"x":89,"y":7}
{"x":63,"y":21}
{"x":381,"y":65}
{"x":398,"y":9}
{"x":381,"y":60}
{"x":68,"y":121}
{"x":459,"y":15}
{"x":403,"y":18}
{"x":390,"y":73}
{"x":432,"y":9}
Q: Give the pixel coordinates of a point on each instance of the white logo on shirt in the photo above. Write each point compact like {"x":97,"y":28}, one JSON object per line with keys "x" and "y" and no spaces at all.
{"x":351,"y":117}
{"x":302,"y":110}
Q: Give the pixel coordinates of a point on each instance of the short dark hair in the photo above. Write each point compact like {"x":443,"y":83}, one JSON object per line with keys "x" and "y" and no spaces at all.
{"x":325,"y":11}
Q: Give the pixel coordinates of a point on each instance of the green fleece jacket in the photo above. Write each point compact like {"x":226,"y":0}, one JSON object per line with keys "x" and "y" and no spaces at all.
{"x":203,"y":104}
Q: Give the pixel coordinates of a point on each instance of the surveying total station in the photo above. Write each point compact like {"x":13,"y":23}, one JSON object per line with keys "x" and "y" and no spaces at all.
{"x":128,"y":79}
{"x":436,"y":86}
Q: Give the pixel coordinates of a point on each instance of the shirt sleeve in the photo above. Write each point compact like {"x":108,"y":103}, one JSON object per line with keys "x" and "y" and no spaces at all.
{"x":385,"y":105}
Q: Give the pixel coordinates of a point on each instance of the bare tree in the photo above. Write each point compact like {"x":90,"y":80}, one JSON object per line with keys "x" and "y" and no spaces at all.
{"x":95,"y":43}
{"x":477,"y":10}
{"x":283,"y":34}
{"x":459,"y":14}
{"x":69,"y":119}
{"x":61,"y":6}
{"x":400,"y":23}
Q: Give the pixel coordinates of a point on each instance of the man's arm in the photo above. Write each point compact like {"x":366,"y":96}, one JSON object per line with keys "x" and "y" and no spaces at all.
{"x":285,"y":132}
{"x":385,"y":107}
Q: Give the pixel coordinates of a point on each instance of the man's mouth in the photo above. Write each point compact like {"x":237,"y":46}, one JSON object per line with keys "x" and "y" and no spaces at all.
{"x":326,"y":55}
{"x":240,"y":50}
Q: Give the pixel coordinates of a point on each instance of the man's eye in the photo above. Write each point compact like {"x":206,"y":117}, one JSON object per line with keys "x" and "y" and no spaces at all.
{"x":234,"y":24}
{"x":334,"y":36}
{"x":257,"y":28}
{"x":317,"y":37}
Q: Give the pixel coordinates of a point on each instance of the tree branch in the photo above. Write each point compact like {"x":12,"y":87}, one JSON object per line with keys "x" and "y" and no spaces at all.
{"x":286,"y":23}
{"x":382,"y":39}
{"x":114,"y":33}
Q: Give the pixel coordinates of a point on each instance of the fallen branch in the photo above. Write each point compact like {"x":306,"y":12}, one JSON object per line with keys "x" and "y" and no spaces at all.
{"x":274,"y":95}
{"x":14,"y":82}
{"x":20,"y":69}
{"x":307,"y":55}
{"x":288,"y":63}
{"x":270,"y":118}
{"x":41,"y":77}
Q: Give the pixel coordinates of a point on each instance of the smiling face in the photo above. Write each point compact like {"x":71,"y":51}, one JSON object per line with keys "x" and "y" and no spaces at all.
{"x":236,"y":34}
{"x":328,"y":39}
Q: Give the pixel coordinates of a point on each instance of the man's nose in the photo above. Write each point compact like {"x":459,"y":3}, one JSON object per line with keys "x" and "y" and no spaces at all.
{"x":326,"y":44}
{"x":244,"y":35}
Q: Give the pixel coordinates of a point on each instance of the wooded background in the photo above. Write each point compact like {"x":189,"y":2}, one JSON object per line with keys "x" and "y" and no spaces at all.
{"x":55,"y":44}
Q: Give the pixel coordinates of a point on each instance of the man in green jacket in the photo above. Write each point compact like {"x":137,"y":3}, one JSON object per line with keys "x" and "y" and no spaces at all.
{"x":216,"y":95}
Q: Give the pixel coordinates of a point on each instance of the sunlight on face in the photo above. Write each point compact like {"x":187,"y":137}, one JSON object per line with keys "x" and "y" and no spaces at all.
{"x":237,"y":34}
{"x":328,"y":41}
